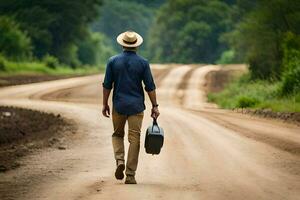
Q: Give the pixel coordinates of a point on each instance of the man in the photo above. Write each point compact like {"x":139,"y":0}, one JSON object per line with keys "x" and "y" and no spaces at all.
{"x":125,"y":73}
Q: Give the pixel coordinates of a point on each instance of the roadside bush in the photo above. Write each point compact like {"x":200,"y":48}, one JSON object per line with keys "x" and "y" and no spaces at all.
{"x":291,"y":52}
{"x":14,"y":43}
{"x":291,"y":64}
{"x":2,"y":63}
{"x":95,"y":49}
{"x":247,"y":102}
{"x":291,"y":82}
{"x":297,"y":97}
{"x":51,"y":61}
{"x":68,"y":56}
{"x":227,"y":57}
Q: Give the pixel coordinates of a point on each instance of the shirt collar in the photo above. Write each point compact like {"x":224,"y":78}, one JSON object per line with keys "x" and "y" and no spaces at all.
{"x":128,"y":51}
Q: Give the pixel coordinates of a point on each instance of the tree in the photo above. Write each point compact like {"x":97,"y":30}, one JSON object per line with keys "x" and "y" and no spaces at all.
{"x":118,"y":16}
{"x":259,"y":35}
{"x":95,"y":49}
{"x":53,"y":26}
{"x":14,"y":43}
{"x":188,"y":31}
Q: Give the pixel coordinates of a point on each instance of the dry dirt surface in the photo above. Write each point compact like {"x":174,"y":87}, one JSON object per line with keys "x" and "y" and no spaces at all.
{"x":216,"y":81}
{"x":23,"y":131}
{"x":208,"y":153}
{"x":27,"y":78}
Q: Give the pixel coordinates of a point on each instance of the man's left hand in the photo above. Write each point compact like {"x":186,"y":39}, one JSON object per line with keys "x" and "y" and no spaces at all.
{"x":155,"y":112}
{"x":105,"y":111}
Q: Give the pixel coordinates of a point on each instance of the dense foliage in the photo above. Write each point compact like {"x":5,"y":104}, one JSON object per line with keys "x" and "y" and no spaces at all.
{"x":118,"y":16}
{"x":291,"y":64}
{"x":14,"y":43}
{"x":54,"y":27}
{"x":189,"y":31}
{"x":96,"y":48}
{"x":266,"y":35}
{"x":260,"y":33}
{"x":252,"y":31}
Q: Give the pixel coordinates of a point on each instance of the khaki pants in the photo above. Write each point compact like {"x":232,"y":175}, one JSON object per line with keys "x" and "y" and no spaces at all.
{"x":134,"y":131}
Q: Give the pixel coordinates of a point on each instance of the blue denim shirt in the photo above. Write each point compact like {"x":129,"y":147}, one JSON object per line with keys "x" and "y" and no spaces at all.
{"x":125,"y":73}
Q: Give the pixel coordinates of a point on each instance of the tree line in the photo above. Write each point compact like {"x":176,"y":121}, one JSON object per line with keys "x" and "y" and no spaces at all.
{"x":120,"y":15}
{"x":74,"y":33}
{"x":262,"y":33}
{"x":38,"y":29}
{"x":188,"y":31}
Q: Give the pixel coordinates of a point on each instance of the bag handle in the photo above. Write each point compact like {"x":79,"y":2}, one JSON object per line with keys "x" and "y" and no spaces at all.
{"x":155,"y":124}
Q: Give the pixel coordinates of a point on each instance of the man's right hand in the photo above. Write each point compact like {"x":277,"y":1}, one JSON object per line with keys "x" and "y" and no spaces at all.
{"x":105,"y":111}
{"x":155,"y":112}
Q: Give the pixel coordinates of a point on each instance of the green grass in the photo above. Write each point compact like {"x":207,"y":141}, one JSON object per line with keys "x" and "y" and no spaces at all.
{"x":40,"y":68}
{"x":244,"y":93}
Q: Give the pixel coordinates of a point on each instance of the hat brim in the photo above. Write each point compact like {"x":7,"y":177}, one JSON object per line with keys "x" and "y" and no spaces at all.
{"x":138,"y":42}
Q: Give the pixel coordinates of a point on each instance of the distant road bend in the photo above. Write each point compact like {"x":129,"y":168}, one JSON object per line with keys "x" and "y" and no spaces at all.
{"x":209,"y":153}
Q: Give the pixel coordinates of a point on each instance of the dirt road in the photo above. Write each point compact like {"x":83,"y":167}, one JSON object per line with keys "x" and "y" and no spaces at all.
{"x":208,"y":153}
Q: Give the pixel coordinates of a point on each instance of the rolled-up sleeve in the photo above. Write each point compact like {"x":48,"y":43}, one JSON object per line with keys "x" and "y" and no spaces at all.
{"x":148,"y":79}
{"x":108,"y":79}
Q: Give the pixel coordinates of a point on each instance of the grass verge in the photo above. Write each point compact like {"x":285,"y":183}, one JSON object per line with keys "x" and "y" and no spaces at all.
{"x":39,"y":68}
{"x":244,"y":93}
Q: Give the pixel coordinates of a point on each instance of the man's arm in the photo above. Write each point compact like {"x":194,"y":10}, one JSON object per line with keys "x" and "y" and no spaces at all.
{"x":107,"y":86}
{"x":154,"y":111}
{"x":105,"y":108}
{"x":152,"y":97}
{"x":150,"y":88}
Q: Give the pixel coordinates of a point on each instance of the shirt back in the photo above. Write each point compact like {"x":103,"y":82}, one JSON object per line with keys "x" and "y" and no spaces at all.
{"x":126,"y":73}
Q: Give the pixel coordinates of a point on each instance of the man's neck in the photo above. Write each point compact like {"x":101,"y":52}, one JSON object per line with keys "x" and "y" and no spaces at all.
{"x":130,"y":49}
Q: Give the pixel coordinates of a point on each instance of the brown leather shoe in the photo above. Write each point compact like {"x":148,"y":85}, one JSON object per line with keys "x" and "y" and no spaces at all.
{"x":119,"y":171}
{"x":130,"y":180}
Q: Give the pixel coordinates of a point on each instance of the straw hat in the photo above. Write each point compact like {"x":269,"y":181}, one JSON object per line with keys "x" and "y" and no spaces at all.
{"x":130,"y":39}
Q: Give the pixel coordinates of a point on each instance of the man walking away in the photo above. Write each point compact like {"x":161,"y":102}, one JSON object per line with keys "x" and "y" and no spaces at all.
{"x":125,"y":73}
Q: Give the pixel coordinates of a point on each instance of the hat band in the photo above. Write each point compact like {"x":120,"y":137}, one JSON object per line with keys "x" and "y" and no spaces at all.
{"x":129,"y":42}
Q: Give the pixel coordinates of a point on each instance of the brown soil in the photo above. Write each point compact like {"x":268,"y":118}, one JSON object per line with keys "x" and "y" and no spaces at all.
{"x":184,"y":82}
{"x":160,"y":74}
{"x":291,"y":117}
{"x":25,"y":79}
{"x":217,"y":80}
{"x":23,"y":131}
{"x":227,"y":121}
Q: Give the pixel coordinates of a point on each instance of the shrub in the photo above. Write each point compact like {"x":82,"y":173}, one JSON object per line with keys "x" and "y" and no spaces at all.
{"x":291,"y":51}
{"x":95,"y":49}
{"x":247,"y":102}
{"x":291,"y":64}
{"x":14,"y":43}
{"x":291,"y":82}
{"x":2,"y":63}
{"x":227,"y":57}
{"x":68,"y":56}
{"x":51,"y":61}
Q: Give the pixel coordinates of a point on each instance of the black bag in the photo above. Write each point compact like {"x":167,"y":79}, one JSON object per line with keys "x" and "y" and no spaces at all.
{"x":154,"y":139}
